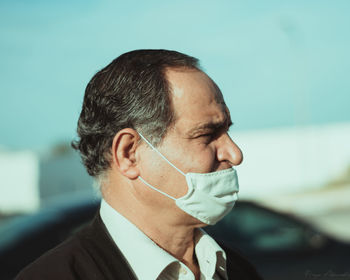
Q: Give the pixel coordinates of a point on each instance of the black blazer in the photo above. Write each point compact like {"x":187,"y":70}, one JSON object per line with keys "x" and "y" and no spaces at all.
{"x":91,"y":254}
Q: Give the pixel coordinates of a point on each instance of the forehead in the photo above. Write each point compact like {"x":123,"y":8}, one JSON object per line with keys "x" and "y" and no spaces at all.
{"x":196,"y":99}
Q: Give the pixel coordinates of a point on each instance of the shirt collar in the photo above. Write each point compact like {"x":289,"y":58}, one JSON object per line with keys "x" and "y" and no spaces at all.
{"x":211,"y":257}
{"x":153,"y":259}
{"x":132,"y":241}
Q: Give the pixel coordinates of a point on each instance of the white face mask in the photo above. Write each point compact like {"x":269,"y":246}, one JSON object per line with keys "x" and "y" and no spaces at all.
{"x":210,"y":196}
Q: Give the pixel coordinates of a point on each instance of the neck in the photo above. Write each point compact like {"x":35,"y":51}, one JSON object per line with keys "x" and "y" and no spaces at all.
{"x":174,"y":236}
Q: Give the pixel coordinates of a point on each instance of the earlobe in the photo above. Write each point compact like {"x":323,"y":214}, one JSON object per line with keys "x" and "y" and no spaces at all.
{"x":124,"y":153}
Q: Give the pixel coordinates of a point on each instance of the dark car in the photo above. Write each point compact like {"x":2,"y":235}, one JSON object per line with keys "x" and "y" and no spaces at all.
{"x":280,"y":246}
{"x":25,"y":238}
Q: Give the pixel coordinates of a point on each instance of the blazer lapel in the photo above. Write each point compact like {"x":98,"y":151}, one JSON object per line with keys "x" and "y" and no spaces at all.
{"x":105,"y":252}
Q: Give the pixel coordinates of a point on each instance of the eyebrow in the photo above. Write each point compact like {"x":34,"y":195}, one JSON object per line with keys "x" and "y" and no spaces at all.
{"x":210,"y":126}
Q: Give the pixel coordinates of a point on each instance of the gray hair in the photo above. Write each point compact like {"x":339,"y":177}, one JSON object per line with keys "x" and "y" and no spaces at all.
{"x":131,"y":92}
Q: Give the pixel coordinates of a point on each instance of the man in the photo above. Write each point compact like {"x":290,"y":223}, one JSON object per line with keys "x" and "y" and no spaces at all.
{"x":153,"y":132}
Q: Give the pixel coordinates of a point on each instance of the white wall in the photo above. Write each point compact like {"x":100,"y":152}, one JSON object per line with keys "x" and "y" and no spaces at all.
{"x":293,"y":159}
{"x":19,"y":177}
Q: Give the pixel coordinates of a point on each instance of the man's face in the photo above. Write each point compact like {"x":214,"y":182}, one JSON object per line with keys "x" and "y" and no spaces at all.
{"x":197,"y":142}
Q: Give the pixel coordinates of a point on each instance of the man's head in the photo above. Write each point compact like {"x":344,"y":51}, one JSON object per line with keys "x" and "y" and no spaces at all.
{"x":131,"y":92}
{"x":167,"y":98}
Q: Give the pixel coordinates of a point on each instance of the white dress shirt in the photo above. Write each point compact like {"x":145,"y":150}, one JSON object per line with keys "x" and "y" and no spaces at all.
{"x":149,"y":261}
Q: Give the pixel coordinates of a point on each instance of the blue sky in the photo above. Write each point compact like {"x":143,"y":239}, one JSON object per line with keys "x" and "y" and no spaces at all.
{"x":278,"y":63}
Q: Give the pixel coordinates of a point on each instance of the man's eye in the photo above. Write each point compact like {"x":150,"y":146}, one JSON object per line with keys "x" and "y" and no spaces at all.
{"x":208,"y":136}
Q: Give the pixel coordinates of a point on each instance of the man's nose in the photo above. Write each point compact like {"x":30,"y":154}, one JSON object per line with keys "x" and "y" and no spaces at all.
{"x":228,"y":151}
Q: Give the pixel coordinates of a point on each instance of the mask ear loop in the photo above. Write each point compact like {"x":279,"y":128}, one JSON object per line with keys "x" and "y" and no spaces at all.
{"x":173,"y":198}
{"x":159,"y":153}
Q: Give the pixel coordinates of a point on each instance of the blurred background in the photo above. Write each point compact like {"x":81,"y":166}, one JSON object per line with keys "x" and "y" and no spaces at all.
{"x":283,"y":67}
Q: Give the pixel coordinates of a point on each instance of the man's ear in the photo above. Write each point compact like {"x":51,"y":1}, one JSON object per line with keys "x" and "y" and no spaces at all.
{"x":124,"y":152}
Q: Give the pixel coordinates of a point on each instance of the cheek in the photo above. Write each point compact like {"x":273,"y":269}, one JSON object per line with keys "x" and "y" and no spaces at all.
{"x":200,"y":158}
{"x":150,"y":163}
{"x":160,"y":173}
